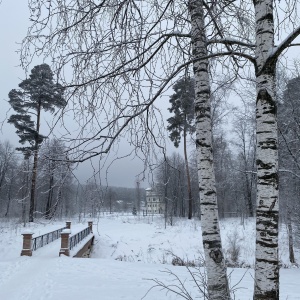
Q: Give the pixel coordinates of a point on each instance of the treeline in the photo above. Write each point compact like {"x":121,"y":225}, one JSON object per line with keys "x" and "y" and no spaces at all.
{"x":235,"y":163}
{"x":235,"y":180}
{"x":59,"y":194}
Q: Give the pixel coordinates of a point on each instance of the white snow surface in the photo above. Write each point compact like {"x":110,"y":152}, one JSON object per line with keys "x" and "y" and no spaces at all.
{"x":129,"y":252}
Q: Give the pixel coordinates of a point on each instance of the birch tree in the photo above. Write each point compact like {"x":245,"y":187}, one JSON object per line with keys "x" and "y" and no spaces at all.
{"x":214,"y":259}
{"x":264,"y":59}
{"x":267,"y":212}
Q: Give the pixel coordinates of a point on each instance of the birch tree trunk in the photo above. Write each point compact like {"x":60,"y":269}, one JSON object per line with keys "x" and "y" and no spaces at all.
{"x":266,"y":264}
{"x":217,"y":283}
{"x":188,"y":177}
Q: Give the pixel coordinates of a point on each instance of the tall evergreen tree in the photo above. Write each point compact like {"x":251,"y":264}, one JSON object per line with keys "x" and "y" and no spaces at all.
{"x":182,"y":105}
{"x":38,"y":92}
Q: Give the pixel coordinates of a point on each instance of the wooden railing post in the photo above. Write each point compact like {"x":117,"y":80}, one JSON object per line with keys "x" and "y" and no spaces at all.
{"x":64,"y":249}
{"x":27,"y":243}
{"x":90,"y":223}
{"x":68,"y":224}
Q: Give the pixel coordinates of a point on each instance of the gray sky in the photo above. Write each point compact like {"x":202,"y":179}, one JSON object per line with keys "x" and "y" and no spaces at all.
{"x":13,"y":23}
{"x":14,"y":20}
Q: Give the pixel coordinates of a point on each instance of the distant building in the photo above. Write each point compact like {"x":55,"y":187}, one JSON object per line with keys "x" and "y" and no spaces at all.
{"x":154,"y":202}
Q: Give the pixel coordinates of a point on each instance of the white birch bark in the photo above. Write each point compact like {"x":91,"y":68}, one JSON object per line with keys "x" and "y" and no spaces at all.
{"x":266,"y":264}
{"x":215,"y":264}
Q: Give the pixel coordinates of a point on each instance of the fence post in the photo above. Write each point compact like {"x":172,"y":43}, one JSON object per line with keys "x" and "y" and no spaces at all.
{"x":68,"y":224}
{"x":27,"y":243}
{"x":90,"y":223}
{"x":65,"y":248}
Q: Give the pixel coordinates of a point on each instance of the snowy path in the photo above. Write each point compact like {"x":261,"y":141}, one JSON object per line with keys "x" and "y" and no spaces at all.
{"x":52,"y":278}
{"x":29,"y":274}
{"x":26,"y":278}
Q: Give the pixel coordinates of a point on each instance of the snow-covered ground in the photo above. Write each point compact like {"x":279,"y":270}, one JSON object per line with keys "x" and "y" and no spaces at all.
{"x":129,"y":254}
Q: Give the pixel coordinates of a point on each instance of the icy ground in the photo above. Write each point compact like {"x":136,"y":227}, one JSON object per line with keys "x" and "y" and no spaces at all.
{"x":129,"y":253}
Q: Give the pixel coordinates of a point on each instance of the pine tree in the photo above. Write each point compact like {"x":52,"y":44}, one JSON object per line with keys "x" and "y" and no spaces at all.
{"x":36,"y":93}
{"x":182,"y":105}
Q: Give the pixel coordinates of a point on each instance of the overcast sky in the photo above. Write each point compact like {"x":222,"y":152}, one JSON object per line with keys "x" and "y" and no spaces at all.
{"x":14,"y":20}
{"x":13,"y":24}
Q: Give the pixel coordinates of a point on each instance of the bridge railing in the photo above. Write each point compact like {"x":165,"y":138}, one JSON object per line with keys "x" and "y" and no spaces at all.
{"x":31,"y":244}
{"x":68,"y":243}
{"x":45,"y":239}
{"x":78,"y":237}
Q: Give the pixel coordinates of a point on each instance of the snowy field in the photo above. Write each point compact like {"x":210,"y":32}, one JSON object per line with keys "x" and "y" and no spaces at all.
{"x":129,"y":254}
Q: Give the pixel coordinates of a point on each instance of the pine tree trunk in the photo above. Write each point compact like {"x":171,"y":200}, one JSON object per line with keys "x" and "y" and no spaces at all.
{"x":34,"y":168}
{"x":217,"y":283}
{"x":247,"y":186}
{"x":25,"y":189}
{"x":290,"y":235}
{"x":266,"y":263}
{"x":32,"y":190}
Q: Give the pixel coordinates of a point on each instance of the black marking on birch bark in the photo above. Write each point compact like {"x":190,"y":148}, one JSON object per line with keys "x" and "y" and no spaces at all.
{"x":216,"y":255}
{"x":209,"y":193}
{"x":263,"y":95}
{"x":267,"y":296}
{"x":272,"y":205}
{"x":261,"y":164}
{"x":271,"y":262}
{"x":268,"y":145}
{"x":271,"y":225}
{"x":270,"y":234}
{"x":202,"y":110}
{"x":266,"y":17}
{"x":271,"y":218}
{"x":206,"y":178}
{"x":263,"y":131}
{"x":203,"y":69}
{"x":203,"y":92}
{"x":263,"y":82}
{"x":269,"y":122}
{"x":265,"y":244}
{"x":263,"y":233}
{"x":202,"y":144}
{"x":215,"y":244}
{"x":271,"y":178}
{"x":205,"y":233}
